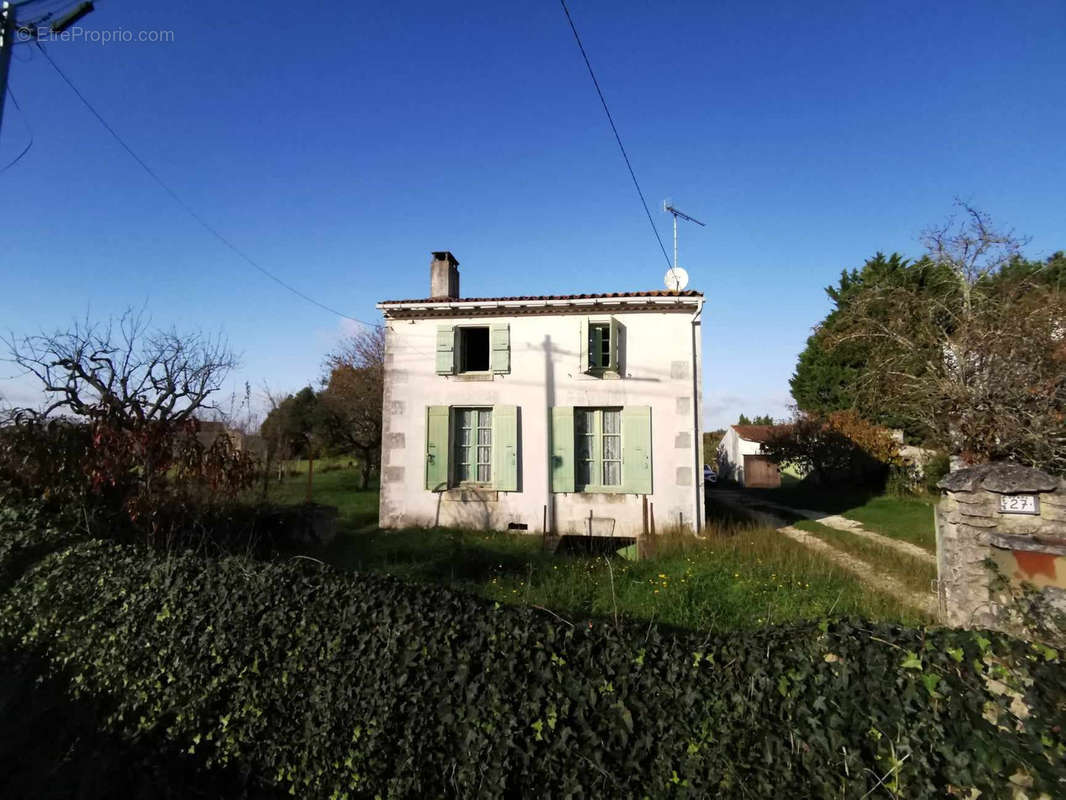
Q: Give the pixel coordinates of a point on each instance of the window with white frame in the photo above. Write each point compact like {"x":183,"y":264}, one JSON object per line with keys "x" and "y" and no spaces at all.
{"x":598,"y":447}
{"x":473,"y":445}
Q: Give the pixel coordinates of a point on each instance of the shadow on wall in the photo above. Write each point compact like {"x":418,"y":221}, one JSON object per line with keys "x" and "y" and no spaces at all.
{"x":728,"y":470}
{"x":475,"y":511}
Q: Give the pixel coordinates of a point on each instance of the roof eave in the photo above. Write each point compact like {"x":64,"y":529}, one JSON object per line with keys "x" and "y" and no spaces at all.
{"x":582,"y":302}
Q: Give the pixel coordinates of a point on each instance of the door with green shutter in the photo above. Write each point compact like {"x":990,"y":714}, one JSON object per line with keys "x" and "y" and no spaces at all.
{"x":636,"y":450}
{"x":562,"y":448}
{"x":505,"y":448}
{"x":438,"y":427}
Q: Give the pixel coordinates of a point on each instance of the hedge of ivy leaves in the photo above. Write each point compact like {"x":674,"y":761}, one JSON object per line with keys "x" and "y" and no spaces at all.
{"x":330,"y":685}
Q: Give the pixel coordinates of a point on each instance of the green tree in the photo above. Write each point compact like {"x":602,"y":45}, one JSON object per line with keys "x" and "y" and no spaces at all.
{"x":831,"y":368}
{"x":758,"y":419}
{"x":974,"y":356}
{"x":350,"y":403}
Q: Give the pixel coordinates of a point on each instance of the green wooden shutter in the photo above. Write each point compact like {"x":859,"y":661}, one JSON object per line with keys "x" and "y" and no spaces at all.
{"x":584,"y":349}
{"x":501,"y":347}
{"x":445,"y":349}
{"x":636,"y":449}
{"x":562,"y":448}
{"x":437,"y":447}
{"x":614,"y":346}
{"x":505,"y":448}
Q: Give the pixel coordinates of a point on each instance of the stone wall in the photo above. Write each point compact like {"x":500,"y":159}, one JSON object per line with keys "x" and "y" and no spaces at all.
{"x":976,"y":524}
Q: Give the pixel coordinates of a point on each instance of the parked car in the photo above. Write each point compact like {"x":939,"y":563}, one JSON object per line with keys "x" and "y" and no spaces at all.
{"x":709,"y":475}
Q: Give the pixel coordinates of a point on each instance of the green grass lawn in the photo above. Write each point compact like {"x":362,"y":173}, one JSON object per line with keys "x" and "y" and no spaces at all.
{"x":906,"y":518}
{"x":334,"y":484}
{"x":741,"y":577}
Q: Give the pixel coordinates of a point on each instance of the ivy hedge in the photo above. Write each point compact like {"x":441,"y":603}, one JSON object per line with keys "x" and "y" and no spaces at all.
{"x":319,"y":684}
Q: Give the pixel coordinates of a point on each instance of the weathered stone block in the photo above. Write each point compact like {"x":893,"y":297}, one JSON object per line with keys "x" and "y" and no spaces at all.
{"x":1019,"y":525}
{"x":1053,"y":499}
{"x":977,"y":509}
{"x":977,"y":522}
{"x":684,"y":476}
{"x":683,"y":441}
{"x":395,"y":441}
{"x":683,"y":404}
{"x":392,"y":475}
{"x":1052,"y":513}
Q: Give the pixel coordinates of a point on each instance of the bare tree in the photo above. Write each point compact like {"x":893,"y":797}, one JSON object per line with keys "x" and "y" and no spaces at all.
{"x":979,"y":360}
{"x":350,"y":404}
{"x":124,"y":371}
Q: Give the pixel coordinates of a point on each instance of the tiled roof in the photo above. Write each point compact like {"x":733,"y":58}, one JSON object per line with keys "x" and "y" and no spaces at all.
{"x":608,"y":295}
{"x":757,"y":433}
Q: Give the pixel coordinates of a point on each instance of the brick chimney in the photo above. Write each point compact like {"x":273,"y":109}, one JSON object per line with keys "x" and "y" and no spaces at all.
{"x":444,"y":275}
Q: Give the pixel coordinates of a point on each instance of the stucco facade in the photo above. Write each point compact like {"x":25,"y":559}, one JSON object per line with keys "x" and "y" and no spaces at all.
{"x":650,"y":396}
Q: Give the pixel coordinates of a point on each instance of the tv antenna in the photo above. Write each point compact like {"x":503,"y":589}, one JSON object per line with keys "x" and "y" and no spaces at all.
{"x":670,"y":209}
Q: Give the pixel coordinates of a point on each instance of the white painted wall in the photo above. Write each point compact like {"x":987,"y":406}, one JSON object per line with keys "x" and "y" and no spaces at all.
{"x":661,"y":370}
{"x":731,"y":452}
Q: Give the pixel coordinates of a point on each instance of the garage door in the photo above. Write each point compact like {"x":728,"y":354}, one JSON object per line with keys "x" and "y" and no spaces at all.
{"x":761,"y":473}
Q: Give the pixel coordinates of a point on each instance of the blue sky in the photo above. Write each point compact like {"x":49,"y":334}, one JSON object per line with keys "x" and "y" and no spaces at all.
{"x":340,"y":145}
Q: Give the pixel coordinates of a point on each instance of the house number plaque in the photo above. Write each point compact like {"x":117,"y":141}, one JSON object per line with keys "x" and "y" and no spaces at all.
{"x":1019,"y":504}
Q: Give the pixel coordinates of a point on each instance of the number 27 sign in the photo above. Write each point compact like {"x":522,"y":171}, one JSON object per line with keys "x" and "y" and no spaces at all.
{"x":1019,"y":504}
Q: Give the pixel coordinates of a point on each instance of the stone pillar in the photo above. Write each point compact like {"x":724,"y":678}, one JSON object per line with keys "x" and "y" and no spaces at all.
{"x":1006,"y":514}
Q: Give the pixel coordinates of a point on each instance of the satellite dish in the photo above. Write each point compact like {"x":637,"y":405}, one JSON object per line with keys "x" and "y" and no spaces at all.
{"x":676,"y":279}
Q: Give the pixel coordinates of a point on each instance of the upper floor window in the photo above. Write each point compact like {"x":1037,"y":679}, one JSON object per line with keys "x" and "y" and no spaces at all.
{"x":601,"y":347}
{"x":473,"y":349}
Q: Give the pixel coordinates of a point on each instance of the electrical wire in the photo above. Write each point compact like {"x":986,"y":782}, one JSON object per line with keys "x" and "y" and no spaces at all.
{"x":26,"y":122}
{"x":614,"y":128}
{"x":187,"y":208}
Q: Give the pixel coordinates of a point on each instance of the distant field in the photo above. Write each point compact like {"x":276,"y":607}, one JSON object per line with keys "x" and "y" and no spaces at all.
{"x":739,"y":577}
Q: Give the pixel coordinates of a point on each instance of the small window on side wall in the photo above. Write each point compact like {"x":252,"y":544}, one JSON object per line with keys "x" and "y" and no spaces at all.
{"x":601,"y":347}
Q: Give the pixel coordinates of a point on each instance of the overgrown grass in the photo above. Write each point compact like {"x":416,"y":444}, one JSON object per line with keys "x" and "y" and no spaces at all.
{"x":747,"y":578}
{"x":739,"y":577}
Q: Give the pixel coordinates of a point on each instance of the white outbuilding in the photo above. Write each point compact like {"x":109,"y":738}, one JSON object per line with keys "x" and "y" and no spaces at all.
{"x":741,"y":458}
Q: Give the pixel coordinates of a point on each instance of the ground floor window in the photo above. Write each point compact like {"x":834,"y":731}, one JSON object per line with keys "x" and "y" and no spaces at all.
{"x":598,"y":447}
{"x":473,"y":445}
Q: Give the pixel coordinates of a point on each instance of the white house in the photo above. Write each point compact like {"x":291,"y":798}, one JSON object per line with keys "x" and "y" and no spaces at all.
{"x":741,"y":457}
{"x":565,"y":413}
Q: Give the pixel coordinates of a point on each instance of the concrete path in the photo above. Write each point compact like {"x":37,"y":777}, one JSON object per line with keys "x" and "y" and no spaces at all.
{"x":755,"y":508}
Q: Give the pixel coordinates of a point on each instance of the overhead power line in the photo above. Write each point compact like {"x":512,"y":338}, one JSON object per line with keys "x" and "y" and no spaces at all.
{"x":26,"y":122}
{"x":207,"y":226}
{"x":614,"y":128}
